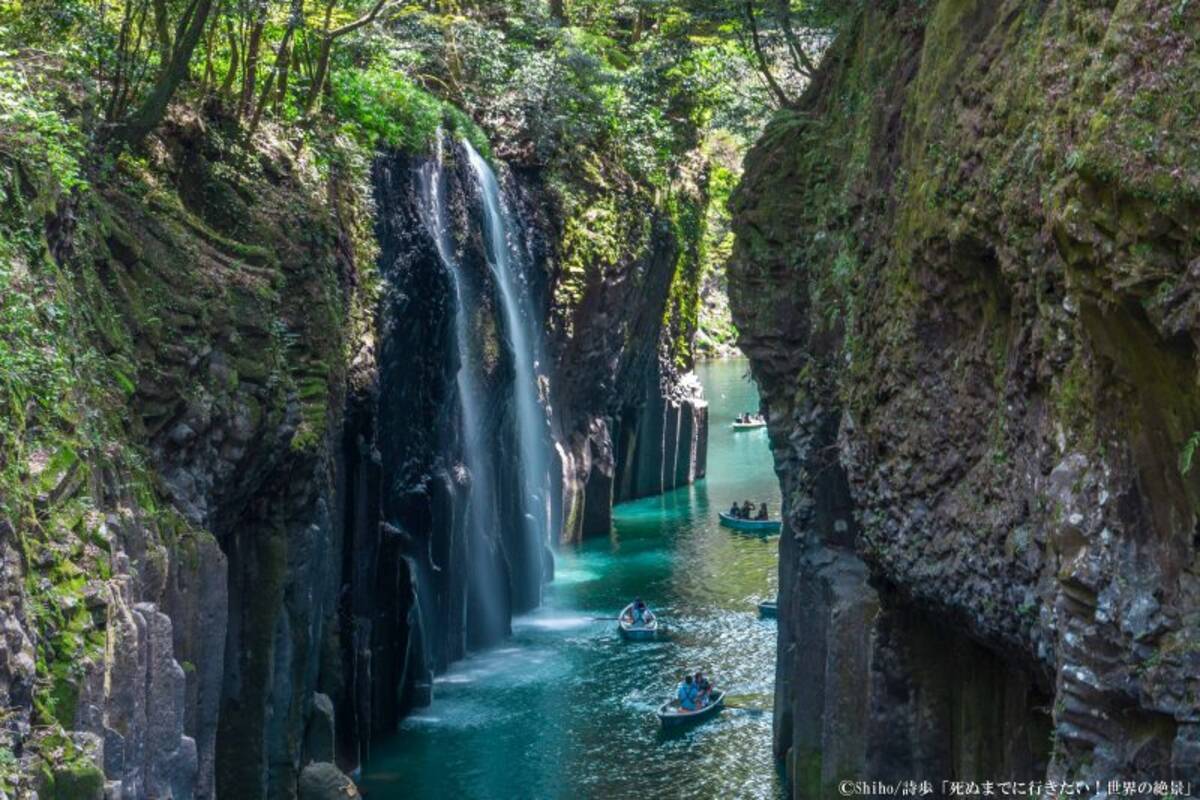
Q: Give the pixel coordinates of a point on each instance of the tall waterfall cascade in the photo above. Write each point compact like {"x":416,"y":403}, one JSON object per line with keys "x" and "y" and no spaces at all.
{"x":506,"y":259}
{"x":506,"y":569}
{"x":485,"y":583}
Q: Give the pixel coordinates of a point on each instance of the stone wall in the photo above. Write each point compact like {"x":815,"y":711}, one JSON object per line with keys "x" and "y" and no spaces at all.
{"x":964,"y":281}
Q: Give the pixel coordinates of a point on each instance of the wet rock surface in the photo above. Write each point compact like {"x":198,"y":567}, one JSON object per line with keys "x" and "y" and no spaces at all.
{"x":968,"y":323}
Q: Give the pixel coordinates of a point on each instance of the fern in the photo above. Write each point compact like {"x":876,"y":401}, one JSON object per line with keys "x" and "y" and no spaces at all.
{"x":1188,"y":452}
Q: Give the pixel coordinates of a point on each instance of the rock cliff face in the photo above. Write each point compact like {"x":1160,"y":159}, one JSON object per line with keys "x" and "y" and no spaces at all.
{"x":966,"y":280}
{"x":179,"y":603}
{"x":629,"y":422}
{"x":234,"y":524}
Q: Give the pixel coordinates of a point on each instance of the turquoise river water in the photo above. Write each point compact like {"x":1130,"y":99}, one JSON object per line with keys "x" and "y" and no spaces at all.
{"x":565,"y":708}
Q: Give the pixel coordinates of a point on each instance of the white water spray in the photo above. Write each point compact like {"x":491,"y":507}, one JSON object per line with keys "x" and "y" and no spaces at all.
{"x":485,"y":582}
{"x":505,"y":259}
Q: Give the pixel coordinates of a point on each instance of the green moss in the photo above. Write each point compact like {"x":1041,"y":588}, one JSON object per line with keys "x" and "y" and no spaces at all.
{"x":80,"y":780}
{"x":807,"y":776}
{"x":688,"y":217}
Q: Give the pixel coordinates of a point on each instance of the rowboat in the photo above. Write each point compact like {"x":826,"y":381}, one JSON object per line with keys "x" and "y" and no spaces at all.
{"x":750,"y":525}
{"x":749,"y":426}
{"x":637,"y":633}
{"x":767,"y":609}
{"x":672,"y":716}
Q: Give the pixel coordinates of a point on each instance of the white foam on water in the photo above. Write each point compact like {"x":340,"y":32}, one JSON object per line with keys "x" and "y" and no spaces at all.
{"x":555,"y":623}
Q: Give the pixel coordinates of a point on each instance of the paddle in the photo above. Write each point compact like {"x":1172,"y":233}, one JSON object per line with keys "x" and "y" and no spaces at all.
{"x":750,"y":709}
{"x":755,"y":710}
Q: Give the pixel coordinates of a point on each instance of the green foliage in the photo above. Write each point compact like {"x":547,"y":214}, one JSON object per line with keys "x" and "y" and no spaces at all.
{"x":384,"y":108}
{"x":32,"y":127}
{"x":1188,"y":453}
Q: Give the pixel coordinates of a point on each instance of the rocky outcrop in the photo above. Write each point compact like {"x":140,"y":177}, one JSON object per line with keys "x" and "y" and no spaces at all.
{"x":180,"y":604}
{"x":234,"y":538}
{"x":630,"y":420}
{"x":414,"y":609}
{"x":964,"y":281}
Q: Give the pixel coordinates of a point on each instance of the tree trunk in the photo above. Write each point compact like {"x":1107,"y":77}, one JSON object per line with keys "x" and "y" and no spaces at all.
{"x":281,"y":60}
{"x":285,"y":73}
{"x":162,"y":32}
{"x":314,"y":91}
{"x":253,"y":47}
{"x":152,"y":110}
{"x":327,"y":40}
{"x":800,"y":59}
{"x":764,"y":66}
{"x":234,"y":60}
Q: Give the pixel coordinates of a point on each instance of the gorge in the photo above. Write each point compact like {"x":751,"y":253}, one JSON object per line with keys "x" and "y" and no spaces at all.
{"x":352,"y":378}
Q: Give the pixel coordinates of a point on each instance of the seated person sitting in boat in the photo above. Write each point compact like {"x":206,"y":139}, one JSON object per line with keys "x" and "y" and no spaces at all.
{"x":734,"y":511}
{"x":747,"y":510}
{"x":687,"y":694}
{"x":640,"y":613}
{"x":703,"y":689}
{"x":762,"y":512}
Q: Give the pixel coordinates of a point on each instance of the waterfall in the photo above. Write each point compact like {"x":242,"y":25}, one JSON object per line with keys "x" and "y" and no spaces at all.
{"x":505,"y":259}
{"x":485,"y":579}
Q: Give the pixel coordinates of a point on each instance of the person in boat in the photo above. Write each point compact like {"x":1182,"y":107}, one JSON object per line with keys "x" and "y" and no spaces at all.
{"x":687,"y":693}
{"x":762,"y":512}
{"x":747,"y":510}
{"x":734,"y":511}
{"x":703,"y":689}
{"x":641,"y":614}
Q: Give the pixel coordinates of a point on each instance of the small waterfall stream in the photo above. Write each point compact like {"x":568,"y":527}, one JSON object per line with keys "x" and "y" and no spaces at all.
{"x":525,"y":341}
{"x":485,"y":581}
{"x":506,"y":516}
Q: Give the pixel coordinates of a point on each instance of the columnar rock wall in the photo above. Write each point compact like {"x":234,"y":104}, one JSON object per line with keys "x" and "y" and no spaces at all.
{"x":241,"y":552}
{"x":964,"y":278}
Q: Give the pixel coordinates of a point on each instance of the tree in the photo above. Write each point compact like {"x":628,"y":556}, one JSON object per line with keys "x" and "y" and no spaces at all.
{"x":764,"y":65}
{"x":328,"y":37}
{"x":282,"y":58}
{"x":190,"y":29}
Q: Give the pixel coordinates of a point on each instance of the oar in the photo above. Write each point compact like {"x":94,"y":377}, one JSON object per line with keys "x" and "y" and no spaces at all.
{"x":751,"y":709}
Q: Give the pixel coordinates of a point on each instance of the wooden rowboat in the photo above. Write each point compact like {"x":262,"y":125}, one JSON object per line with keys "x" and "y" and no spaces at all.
{"x":637,"y":633}
{"x":750,"y":525}
{"x":672,"y":716}
{"x":768,"y":609}
{"x":749,"y":426}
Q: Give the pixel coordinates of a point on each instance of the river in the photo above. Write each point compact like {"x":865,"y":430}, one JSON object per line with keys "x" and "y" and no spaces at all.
{"x":565,"y":708}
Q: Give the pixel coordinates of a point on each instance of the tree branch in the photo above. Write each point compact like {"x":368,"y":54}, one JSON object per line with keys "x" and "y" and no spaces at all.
{"x":804,"y":65}
{"x":763,"y":65}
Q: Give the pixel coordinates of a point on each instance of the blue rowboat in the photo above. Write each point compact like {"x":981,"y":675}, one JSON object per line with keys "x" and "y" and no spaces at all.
{"x":750,"y":525}
{"x":767,"y":609}
{"x":672,"y":716}
{"x":636,"y":633}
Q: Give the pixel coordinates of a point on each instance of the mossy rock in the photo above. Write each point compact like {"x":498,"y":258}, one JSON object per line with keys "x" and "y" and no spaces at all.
{"x":324,"y":781}
{"x":81,"y":780}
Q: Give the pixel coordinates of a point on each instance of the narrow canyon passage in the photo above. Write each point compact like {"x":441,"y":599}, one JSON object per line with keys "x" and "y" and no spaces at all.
{"x":565,"y":709}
